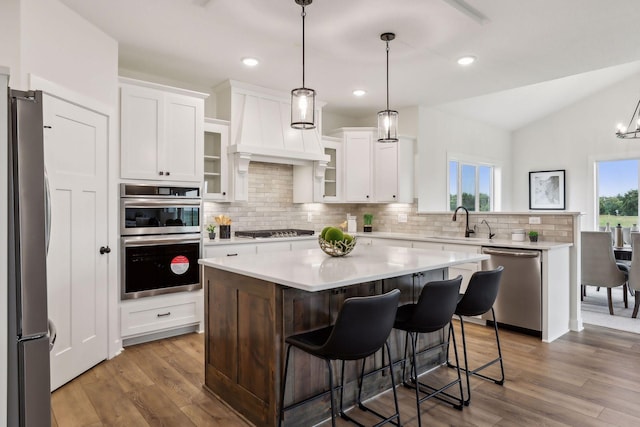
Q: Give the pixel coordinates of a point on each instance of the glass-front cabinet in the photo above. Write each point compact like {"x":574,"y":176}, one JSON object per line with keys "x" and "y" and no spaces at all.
{"x":331,"y":186}
{"x":216,"y":179}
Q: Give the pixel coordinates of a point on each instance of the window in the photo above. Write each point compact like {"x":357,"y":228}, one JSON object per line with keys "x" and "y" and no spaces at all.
{"x":471,"y":186}
{"x":617,"y":192}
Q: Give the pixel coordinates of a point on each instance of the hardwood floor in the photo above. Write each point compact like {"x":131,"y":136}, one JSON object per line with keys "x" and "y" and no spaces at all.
{"x":589,"y":378}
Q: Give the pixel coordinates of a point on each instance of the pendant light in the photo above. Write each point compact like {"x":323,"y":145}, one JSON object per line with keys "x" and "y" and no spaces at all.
{"x":303,"y":100}
{"x":387,"y":119}
{"x":633,"y":129}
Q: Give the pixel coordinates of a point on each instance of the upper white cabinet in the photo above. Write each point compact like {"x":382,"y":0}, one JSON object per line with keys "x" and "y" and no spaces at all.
{"x":376,"y":172}
{"x":162,"y":135}
{"x":321,"y":182}
{"x":216,"y":180}
{"x":332,"y":179}
{"x":358,"y":171}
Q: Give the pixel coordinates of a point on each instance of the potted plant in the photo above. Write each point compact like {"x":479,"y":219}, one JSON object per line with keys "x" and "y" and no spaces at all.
{"x":368,"y":219}
{"x":533,"y":236}
{"x":211,"y":229}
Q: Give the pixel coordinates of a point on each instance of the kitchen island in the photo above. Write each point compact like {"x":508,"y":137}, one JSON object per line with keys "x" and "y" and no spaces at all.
{"x":253,"y":302}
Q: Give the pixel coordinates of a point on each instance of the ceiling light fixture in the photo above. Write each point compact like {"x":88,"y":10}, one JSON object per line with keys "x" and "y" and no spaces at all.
{"x":467,"y":60}
{"x":624,"y":132}
{"x":250,"y":62}
{"x":387,"y":119}
{"x":303,"y":100}
{"x":359,"y":92}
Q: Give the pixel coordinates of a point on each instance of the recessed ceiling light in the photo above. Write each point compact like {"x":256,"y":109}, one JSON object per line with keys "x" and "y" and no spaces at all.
{"x":359,"y":92}
{"x":250,"y":62}
{"x":467,"y":60}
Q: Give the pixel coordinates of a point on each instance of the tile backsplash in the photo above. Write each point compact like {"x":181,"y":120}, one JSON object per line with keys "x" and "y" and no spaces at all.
{"x":270,"y":206}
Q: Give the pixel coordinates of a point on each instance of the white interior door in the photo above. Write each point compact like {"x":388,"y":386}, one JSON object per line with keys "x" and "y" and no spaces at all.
{"x":76,"y":162}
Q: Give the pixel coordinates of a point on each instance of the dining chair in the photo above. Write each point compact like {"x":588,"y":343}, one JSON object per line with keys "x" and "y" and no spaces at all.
{"x":634,"y":273}
{"x":599,"y":267}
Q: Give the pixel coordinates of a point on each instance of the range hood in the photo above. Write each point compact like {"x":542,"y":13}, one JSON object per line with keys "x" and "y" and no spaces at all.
{"x":260,"y":127}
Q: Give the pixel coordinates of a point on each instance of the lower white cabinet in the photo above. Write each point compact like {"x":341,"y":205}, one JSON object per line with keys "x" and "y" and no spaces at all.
{"x":229,"y":250}
{"x":466,"y":270}
{"x":161,"y":313}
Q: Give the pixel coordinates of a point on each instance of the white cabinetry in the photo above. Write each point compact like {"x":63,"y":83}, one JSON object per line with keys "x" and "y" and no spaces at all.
{"x":161,"y":132}
{"x":375,"y":171}
{"x":160,"y":315}
{"x":229,"y":250}
{"x":321,"y":182}
{"x":358,"y":185}
{"x":216,"y":180}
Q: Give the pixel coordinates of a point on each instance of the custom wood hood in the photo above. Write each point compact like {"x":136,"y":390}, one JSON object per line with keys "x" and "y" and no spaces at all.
{"x":260,"y":126}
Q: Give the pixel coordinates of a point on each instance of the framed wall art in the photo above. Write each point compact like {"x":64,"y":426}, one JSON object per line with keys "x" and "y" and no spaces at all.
{"x":547,"y":190}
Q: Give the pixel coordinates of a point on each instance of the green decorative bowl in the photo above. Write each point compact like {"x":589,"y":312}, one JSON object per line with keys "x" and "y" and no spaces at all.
{"x":336,"y":248}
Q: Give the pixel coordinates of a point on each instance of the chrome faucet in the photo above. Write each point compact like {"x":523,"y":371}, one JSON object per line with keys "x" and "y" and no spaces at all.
{"x":467,"y":230}
{"x":489,"y":227}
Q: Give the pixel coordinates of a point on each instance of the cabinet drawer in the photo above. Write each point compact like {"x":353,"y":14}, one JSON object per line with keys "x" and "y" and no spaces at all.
{"x":229,"y":250}
{"x":142,"y":317}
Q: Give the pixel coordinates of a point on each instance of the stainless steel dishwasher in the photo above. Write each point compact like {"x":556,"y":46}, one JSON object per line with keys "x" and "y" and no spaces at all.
{"x":519,"y":302}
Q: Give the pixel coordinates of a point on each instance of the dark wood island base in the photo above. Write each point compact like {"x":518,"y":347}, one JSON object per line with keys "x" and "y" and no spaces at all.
{"x":247,"y":321}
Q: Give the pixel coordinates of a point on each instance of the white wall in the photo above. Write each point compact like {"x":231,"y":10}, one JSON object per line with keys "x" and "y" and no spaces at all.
{"x":441,"y":134}
{"x":60,"y":46}
{"x":573,"y":139}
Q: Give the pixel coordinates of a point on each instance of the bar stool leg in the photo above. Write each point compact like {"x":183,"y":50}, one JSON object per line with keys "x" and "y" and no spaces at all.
{"x":333,"y":411}
{"x":452,"y":334}
{"x":414,"y":370}
{"x":466,"y":362}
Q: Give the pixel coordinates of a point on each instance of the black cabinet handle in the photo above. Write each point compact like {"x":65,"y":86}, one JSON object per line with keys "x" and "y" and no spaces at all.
{"x":161,"y":173}
{"x":167,"y":173}
{"x":104,"y":250}
{"x":224,"y":193}
{"x":168,"y":313}
{"x":232,"y":254}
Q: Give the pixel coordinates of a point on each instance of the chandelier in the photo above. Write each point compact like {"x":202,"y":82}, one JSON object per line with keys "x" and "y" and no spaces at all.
{"x":632,"y":130}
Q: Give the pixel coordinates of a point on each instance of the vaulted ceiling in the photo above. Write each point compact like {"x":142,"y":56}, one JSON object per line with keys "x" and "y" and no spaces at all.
{"x":566,"y":49}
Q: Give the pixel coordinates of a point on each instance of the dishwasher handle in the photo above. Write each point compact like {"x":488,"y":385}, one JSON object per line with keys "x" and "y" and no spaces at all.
{"x":518,"y":254}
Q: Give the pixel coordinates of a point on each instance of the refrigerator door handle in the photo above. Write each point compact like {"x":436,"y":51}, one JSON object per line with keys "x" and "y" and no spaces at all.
{"x":53,"y":334}
{"x":47,"y":207}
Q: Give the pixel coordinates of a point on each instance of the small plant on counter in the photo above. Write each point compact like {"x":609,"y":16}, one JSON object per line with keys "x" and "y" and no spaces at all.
{"x":368,"y":220}
{"x":533,"y":236}
{"x":211,"y":229}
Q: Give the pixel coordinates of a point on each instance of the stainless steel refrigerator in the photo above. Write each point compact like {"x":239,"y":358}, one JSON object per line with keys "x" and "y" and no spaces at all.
{"x":28,"y":394}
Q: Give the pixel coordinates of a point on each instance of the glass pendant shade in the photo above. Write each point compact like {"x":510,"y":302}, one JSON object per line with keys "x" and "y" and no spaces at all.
{"x":388,"y":126}
{"x":303,"y":108}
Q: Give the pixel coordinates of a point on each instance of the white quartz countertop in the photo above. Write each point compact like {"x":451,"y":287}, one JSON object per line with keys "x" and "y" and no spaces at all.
{"x":248,"y":240}
{"x":476,"y":241}
{"x":313,"y":270}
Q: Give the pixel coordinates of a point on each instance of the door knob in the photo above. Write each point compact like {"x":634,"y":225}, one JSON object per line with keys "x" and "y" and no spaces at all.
{"x":105,"y":250}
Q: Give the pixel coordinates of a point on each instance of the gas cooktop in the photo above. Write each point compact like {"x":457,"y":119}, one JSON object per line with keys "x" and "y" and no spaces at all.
{"x":262,"y":234}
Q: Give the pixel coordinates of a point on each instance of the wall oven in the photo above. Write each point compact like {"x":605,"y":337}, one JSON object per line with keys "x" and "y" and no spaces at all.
{"x":160,"y":239}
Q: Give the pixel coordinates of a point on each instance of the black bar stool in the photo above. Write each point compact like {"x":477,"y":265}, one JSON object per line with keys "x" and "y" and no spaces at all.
{"x":477,"y":300}
{"x":361,"y":329}
{"x":432,"y":312}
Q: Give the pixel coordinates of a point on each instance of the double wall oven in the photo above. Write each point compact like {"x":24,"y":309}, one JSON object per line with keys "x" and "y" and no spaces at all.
{"x":160,"y":239}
